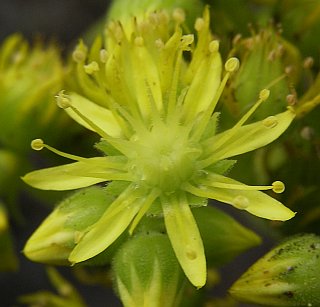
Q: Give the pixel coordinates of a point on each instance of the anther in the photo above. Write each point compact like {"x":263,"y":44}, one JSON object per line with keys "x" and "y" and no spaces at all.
{"x":179,"y":15}
{"x":214,"y":46}
{"x":37,"y":144}
{"x":80,"y":53}
{"x":264,"y":94}
{"x":138,"y":41}
{"x":308,"y":62}
{"x":199,"y":24}
{"x":159,"y":43}
{"x":187,"y":39}
{"x":236,"y":39}
{"x":232,"y":65}
{"x":63,"y":100}
{"x":270,"y":122}
{"x":91,"y":68}
{"x":278,"y":187}
{"x":103,"y":55}
{"x":241,"y":202}
{"x":291,"y":99}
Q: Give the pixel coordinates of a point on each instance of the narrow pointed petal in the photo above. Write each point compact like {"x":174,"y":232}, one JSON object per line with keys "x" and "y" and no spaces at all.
{"x":109,"y":227}
{"x":204,"y":85}
{"x":249,"y":137}
{"x":185,"y":238}
{"x":100,"y":116}
{"x":75,"y":175}
{"x":255,"y":202}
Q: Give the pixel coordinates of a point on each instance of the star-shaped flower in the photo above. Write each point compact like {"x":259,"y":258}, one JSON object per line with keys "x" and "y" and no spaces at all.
{"x":155,"y":113}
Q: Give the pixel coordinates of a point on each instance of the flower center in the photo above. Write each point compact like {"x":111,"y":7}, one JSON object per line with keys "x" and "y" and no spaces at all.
{"x":164,"y":158}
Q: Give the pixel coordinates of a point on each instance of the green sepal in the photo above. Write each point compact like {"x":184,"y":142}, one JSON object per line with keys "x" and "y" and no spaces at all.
{"x":123,"y":10}
{"x":55,"y":238}
{"x":288,"y":275}
{"x":147,"y":272}
{"x":223,"y":237}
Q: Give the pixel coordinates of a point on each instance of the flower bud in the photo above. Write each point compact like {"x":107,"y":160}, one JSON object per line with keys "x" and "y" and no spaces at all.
{"x":30,"y":76}
{"x":286,"y":276}
{"x":124,"y":10}
{"x":59,"y":233}
{"x":263,"y":60}
{"x":147,"y":272}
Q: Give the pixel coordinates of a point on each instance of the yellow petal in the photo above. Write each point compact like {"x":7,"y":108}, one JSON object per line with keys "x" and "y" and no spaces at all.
{"x":75,"y":175}
{"x":255,"y":202}
{"x":109,"y":227}
{"x":185,"y":238}
{"x":248,"y":137}
{"x":100,"y":116}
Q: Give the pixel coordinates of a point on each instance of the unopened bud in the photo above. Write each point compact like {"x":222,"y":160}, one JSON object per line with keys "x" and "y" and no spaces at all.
{"x":286,"y":276}
{"x":146,"y":270}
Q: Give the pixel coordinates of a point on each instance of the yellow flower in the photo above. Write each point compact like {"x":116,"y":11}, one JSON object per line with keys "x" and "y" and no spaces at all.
{"x":155,"y":113}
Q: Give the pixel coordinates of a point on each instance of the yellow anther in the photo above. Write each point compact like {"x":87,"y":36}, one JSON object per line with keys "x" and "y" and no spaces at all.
{"x":138,"y":41}
{"x":179,"y":15}
{"x":199,"y":24}
{"x":103,"y":55}
{"x":37,"y":144}
{"x":91,"y":68}
{"x":264,"y":94}
{"x":63,"y":100}
{"x":270,"y":122}
{"x":214,"y":46}
{"x":241,"y":202}
{"x":159,"y":43}
{"x":80,"y":53}
{"x":232,"y":65}
{"x":187,"y":40}
{"x":278,"y":187}
{"x":308,"y":62}
{"x":291,"y":99}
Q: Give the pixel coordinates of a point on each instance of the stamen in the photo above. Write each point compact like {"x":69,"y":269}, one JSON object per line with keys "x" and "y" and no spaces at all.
{"x":38,"y":144}
{"x":199,"y":24}
{"x":214,"y":46}
{"x":138,"y":41}
{"x":263,"y":95}
{"x":278,"y":187}
{"x":103,"y":55}
{"x":232,"y":65}
{"x":179,"y":15}
{"x":159,"y":43}
{"x":80,"y":53}
{"x":63,"y":100}
{"x":91,"y":68}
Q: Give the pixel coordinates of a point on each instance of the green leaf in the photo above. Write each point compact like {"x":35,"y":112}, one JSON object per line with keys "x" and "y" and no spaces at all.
{"x":223,"y":237}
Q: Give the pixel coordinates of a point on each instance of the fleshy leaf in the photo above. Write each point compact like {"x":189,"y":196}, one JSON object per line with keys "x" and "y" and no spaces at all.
{"x":75,"y":175}
{"x":253,"y":201}
{"x":100,"y":116}
{"x":185,"y":238}
{"x":109,"y":227}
